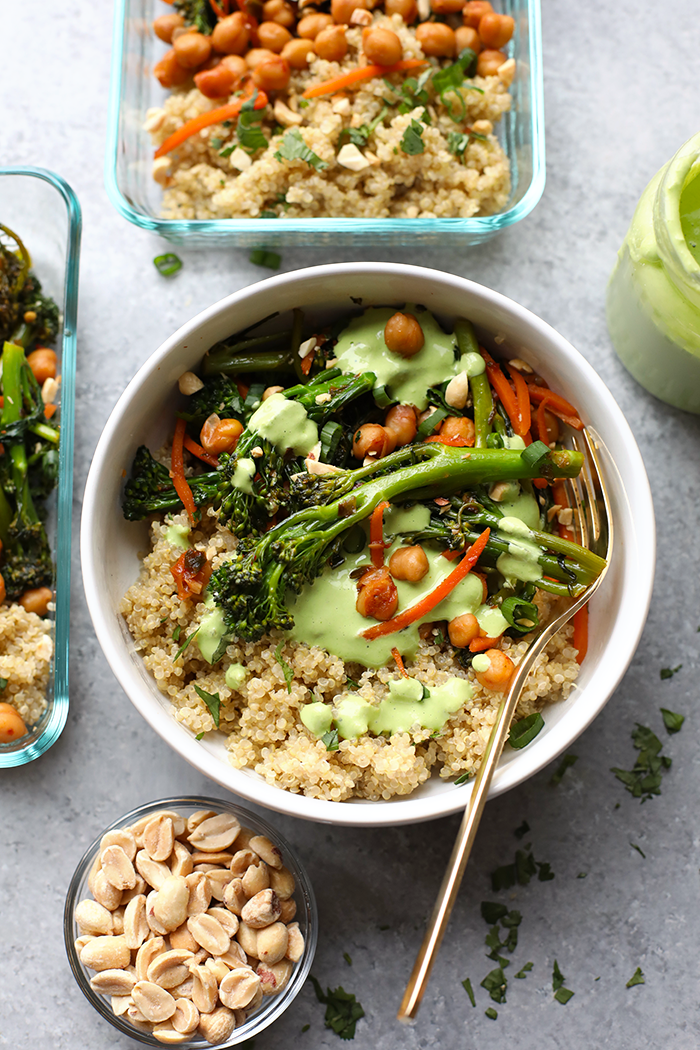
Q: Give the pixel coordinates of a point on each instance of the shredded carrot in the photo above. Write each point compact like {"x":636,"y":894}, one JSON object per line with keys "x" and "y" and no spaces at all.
{"x":177,"y":470}
{"x":480,"y":644}
{"x":540,"y":483}
{"x":376,"y":534}
{"x":559,"y":496}
{"x":504,"y":390}
{"x":558,"y":406}
{"x":205,"y":120}
{"x":199,"y":452}
{"x":307,"y":362}
{"x":428,"y":603}
{"x":523,"y":396}
{"x":242,"y":389}
{"x":399,"y":662}
{"x":543,"y":431}
{"x":216,"y":9}
{"x":49,"y":410}
{"x":581,"y":633}
{"x":453,"y":442}
{"x":328,"y":87}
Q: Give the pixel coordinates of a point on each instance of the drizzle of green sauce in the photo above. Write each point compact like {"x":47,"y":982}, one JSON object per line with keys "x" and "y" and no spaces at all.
{"x":690,"y":212}
{"x":211,"y":633}
{"x":236,"y":675}
{"x":481,"y":663}
{"x":317,"y":717}
{"x":243,"y":475}
{"x":522,"y":505}
{"x":178,"y":536}
{"x":472,"y":363}
{"x":522,"y":560}
{"x":285,"y":425}
{"x":361,"y":348}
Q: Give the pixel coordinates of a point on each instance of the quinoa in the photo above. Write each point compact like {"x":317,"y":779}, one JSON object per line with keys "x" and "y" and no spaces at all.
{"x":261,"y":720}
{"x":26,"y":648}
{"x":436,"y":183}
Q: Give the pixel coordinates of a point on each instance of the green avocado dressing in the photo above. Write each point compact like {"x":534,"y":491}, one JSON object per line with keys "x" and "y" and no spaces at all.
{"x":361,"y":348}
{"x":524,"y":506}
{"x":285,"y":425}
{"x":690,"y":212}
{"x":317,"y":718}
{"x":210,"y":635}
{"x":522,"y":560}
{"x":481,"y":663}
{"x":243,"y":475}
{"x":178,"y":536}
{"x":236,"y":675}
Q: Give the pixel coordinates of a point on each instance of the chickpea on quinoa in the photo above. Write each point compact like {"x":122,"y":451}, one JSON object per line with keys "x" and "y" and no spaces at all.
{"x":356,"y":109}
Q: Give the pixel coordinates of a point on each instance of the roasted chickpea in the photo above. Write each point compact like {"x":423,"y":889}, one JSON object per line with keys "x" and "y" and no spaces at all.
{"x":474,"y":10}
{"x":409,"y":563}
{"x":272,"y":75}
{"x":465,"y":36}
{"x":231,"y":35}
{"x":256,"y":55}
{"x":496,"y":30}
{"x":216,"y":83}
{"x":372,"y":440}
{"x":192,"y":49}
{"x":489,"y":62}
{"x":499,"y":673}
{"x":446,"y":7}
{"x":37,"y":600}
{"x":436,"y":39}
{"x":403,"y":335}
{"x":408,"y":9}
{"x":220,"y":435}
{"x":463,"y":630}
{"x":377,"y":596}
{"x":279,"y":11}
{"x":237,"y":64}
{"x":273,"y":36}
{"x":11,"y":725}
{"x":382,"y":47}
{"x":331,"y":44}
{"x":42,"y":362}
{"x":2,"y":583}
{"x":310,"y":26}
{"x":458,"y":427}
{"x":168,"y":72}
{"x":400,"y":420}
{"x":296,"y":52}
{"x":164,"y":26}
{"x":342,"y":9}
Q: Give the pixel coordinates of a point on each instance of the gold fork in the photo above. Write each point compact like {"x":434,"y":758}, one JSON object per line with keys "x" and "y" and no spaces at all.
{"x":595,"y":529}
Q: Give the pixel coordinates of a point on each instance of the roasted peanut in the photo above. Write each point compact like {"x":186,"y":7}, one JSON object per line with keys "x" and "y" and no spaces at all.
{"x":238,"y":988}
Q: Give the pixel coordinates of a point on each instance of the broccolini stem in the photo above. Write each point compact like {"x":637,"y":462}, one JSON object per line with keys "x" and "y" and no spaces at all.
{"x":480,"y":386}
{"x":13,"y":360}
{"x":228,"y":363}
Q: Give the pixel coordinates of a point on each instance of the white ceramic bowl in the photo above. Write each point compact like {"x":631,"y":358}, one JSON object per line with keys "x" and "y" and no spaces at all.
{"x":144,"y":413}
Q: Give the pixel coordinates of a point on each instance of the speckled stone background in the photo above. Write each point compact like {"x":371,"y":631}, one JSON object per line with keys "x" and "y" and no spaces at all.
{"x":621,"y":97}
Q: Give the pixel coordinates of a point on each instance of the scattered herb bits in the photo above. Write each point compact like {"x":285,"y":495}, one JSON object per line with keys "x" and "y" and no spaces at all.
{"x":286,"y":669}
{"x":167,"y":264}
{"x":493,"y":1014}
{"x":672,"y":721}
{"x":643,"y":781}
{"x":412,"y":140}
{"x":262,"y":257}
{"x":213,"y":702}
{"x":524,"y":732}
{"x":293,"y":147}
{"x":668,"y":672}
{"x":467,"y":985}
{"x":566,"y":762}
{"x":342,"y":1009}
{"x":520,"y":871}
{"x":636,"y":978}
{"x":561,"y":994}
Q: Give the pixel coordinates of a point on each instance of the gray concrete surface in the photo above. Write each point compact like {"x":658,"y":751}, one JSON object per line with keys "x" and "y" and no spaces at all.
{"x":621,"y":91}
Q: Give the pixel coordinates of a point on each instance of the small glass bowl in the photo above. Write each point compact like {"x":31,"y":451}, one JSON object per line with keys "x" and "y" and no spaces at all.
{"x":307,"y":916}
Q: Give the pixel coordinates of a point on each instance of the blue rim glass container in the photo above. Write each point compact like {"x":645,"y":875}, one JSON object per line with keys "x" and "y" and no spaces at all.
{"x":136,"y":196}
{"x":43,"y":210}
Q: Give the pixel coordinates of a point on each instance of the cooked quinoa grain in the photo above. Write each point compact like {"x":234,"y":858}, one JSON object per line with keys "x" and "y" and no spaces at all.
{"x":26,"y":648}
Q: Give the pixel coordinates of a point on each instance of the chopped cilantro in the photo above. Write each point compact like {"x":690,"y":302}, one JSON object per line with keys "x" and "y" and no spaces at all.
{"x":668,"y":672}
{"x":524,"y":732}
{"x":495,"y":984}
{"x":304,"y":103}
{"x":360,"y":136}
{"x":305,"y":1027}
{"x":567,"y":760}
{"x":672,"y":721}
{"x":493,"y":1014}
{"x":467,"y":985}
{"x":342,"y":1009}
{"x":636,"y":978}
{"x":639,"y":850}
{"x":582,"y":875}
{"x":330,"y":739}
{"x":215,"y":142}
{"x":261,"y":257}
{"x":167,"y":264}
{"x":561,"y":994}
{"x":492,"y":912}
{"x":348,"y":958}
{"x":3,"y":683}
{"x":267,"y":214}
{"x":544,"y":871}
{"x":412,"y":140}
{"x":199,"y":735}
{"x":413,"y":92}
{"x":352,"y":683}
{"x":286,"y":669}
{"x":451,"y":78}
{"x":213,"y":702}
{"x":184,"y":645}
{"x":463,"y":778}
{"x":521,"y":974}
{"x":520,"y":871}
{"x":457,"y":143}
{"x":293,"y":147}
{"x":176,"y":633}
{"x":644,"y":779}
{"x":522,"y":831}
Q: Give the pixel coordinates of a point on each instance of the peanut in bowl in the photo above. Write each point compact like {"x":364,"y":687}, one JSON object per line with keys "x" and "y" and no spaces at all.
{"x":168,"y":988}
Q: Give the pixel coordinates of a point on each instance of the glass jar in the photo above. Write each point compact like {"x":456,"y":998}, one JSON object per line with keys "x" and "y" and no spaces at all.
{"x":653,"y":297}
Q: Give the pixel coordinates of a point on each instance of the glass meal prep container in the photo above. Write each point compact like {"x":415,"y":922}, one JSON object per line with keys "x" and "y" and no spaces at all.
{"x":134,"y":193}
{"x":41,"y":208}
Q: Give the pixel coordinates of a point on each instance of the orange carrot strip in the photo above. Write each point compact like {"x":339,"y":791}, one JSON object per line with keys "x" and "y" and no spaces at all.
{"x":205,"y":120}
{"x":399,"y":662}
{"x":49,"y":410}
{"x":540,"y":483}
{"x":558,"y":406}
{"x":177,"y":470}
{"x":327,"y":87}
{"x":480,"y":644}
{"x":559,"y":496}
{"x":504,"y":390}
{"x":428,"y":603}
{"x":199,"y":452}
{"x":216,"y":9}
{"x":523,"y":396}
{"x":581,"y":633}
{"x":306,"y":362}
{"x":376,"y":534}
{"x":543,"y":431}
{"x":454,"y":442}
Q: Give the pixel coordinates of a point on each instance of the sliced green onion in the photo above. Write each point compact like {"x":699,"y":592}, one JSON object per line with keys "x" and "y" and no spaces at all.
{"x":262,"y":257}
{"x":254,"y":396}
{"x":382,"y":397}
{"x":330,"y":439}
{"x":167,"y":264}
{"x":516,"y":609}
{"x":534,"y":453}
{"x":429,"y":425}
{"x":525,"y":731}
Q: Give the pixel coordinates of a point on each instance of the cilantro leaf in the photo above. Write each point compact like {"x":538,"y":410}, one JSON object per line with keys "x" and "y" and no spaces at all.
{"x":644,"y":779}
{"x":639,"y":850}
{"x":213,"y":702}
{"x":3,"y":683}
{"x":636,"y":978}
{"x":348,"y":958}
{"x":176,"y":633}
{"x":293,"y":147}
{"x":342,"y":1009}
{"x":672,"y":721}
{"x":495,"y":984}
{"x":562,"y":995}
{"x":491,"y":911}
{"x":567,"y":760}
{"x":668,"y":672}
{"x":524,"y":732}
{"x":521,"y":974}
{"x":412,"y":140}
{"x":493,"y":1014}
{"x":286,"y":669}
{"x":262,"y":257}
{"x":330,"y":739}
{"x":522,"y":831}
{"x":520,"y":871}
{"x":199,"y":735}
{"x":467,"y":985}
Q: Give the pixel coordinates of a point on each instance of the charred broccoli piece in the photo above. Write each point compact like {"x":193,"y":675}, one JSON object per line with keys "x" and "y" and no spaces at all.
{"x":150,"y":490}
